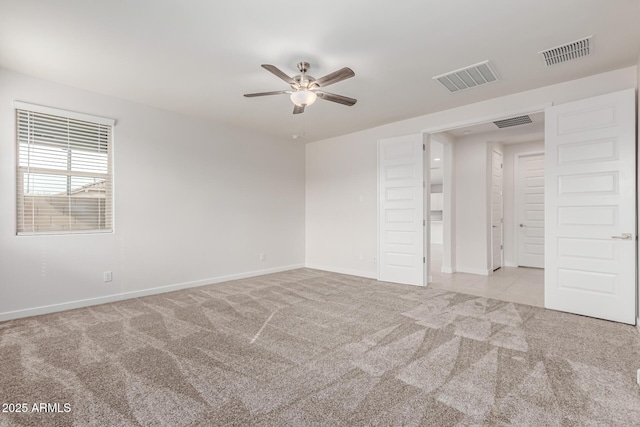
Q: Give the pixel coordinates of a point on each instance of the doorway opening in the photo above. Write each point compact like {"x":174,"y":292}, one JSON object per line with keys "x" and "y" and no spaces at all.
{"x":487,"y":208}
{"x":590,"y":262}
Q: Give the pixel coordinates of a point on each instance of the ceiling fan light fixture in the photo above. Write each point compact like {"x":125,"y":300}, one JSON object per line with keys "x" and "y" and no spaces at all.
{"x":303,"y":97}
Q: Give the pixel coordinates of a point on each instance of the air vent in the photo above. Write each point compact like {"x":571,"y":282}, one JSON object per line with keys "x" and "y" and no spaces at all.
{"x":513,"y":121}
{"x":468,"y":77}
{"x":567,"y":52}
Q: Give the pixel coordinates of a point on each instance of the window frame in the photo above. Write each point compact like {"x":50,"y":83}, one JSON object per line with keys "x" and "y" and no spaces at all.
{"x":69,"y":172}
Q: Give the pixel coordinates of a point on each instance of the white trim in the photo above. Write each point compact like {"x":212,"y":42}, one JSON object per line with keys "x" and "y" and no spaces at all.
{"x":377,"y":274}
{"x":350,"y":272}
{"x":426,"y":209}
{"x":62,"y":232}
{"x":448,"y":211}
{"x":516,"y":199}
{"x":112,"y":156}
{"x":10,"y":315}
{"x":19,"y":105}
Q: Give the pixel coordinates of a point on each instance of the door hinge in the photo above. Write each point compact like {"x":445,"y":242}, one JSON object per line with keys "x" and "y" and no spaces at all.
{"x":424,"y":147}
{"x":424,"y":184}
{"x":424,"y":222}
{"x":501,"y":165}
{"x":500,"y":246}
{"x":424,"y":259}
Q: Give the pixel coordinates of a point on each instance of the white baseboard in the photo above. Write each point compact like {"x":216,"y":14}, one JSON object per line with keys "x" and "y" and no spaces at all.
{"x":9,"y":315}
{"x":447,"y":270}
{"x":480,"y":271}
{"x":348,"y":271}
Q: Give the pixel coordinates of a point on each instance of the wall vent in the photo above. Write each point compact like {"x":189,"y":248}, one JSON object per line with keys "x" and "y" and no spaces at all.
{"x":567,"y":52}
{"x":467,"y":77}
{"x":513,"y":121}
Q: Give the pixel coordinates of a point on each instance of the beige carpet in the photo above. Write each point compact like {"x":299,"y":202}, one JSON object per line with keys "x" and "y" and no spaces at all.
{"x":313,"y":348}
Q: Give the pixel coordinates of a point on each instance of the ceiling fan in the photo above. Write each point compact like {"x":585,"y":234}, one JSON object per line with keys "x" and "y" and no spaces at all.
{"x":305,"y":89}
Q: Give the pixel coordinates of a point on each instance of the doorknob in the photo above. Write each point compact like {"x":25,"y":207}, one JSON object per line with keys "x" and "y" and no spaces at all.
{"x":625,"y":236}
{"x":522,"y":225}
{"x":494,"y":226}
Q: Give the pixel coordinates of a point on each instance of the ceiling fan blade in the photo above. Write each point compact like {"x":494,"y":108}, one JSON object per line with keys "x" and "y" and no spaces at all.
{"x":344,"y":100}
{"x":298,"y":110}
{"x":277,"y":92}
{"x":276,"y":72}
{"x":335,"y":77}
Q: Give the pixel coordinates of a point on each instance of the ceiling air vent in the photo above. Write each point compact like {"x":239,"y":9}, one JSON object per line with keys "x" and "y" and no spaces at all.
{"x":468,"y":77}
{"x":513,"y":121}
{"x":567,"y":52}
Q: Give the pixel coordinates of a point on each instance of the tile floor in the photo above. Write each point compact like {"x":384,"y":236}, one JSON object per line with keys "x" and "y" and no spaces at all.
{"x":515,"y":284}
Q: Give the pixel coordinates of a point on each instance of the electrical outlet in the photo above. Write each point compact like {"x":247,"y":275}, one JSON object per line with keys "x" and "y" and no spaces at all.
{"x":107,"y":276}
{"x":262,"y":257}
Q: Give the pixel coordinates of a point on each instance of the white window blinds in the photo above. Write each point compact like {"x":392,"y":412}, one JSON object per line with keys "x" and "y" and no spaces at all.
{"x":63,"y":173}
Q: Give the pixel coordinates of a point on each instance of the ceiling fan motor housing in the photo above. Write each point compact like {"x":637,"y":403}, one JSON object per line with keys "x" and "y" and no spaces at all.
{"x":303,"y":67}
{"x":303,"y":81}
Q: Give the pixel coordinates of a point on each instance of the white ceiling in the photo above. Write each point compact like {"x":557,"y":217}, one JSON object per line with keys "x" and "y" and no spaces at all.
{"x":200,"y":57}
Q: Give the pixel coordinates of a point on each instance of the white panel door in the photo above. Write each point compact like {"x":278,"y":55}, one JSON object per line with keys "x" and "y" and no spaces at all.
{"x":530,"y":210}
{"x":590,"y":198}
{"x":401,"y":210}
{"x":496,"y":210}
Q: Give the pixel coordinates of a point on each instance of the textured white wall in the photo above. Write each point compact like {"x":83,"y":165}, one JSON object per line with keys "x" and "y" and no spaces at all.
{"x":195,"y":201}
{"x":342,"y":229}
{"x":472,"y":181}
{"x":339,"y":228}
{"x":449,"y":205}
{"x":510,"y":210}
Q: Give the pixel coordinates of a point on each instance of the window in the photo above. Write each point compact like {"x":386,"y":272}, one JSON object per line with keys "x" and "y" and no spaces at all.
{"x":63,"y":171}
